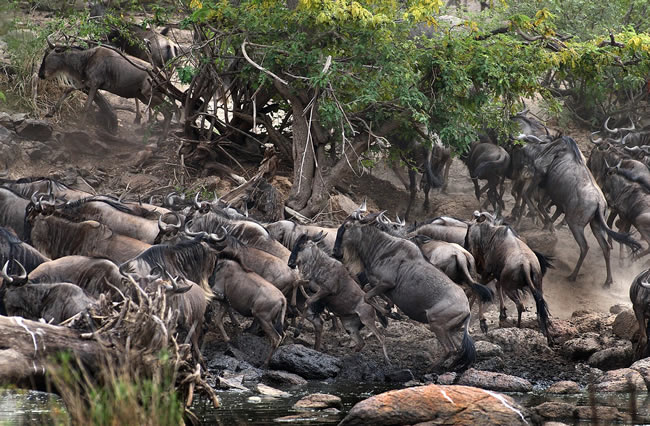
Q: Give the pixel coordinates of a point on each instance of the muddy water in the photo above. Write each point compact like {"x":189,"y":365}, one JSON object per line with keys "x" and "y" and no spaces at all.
{"x":19,"y":407}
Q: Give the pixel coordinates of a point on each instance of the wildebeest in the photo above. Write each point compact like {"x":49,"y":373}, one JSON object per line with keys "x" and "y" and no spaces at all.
{"x":432,"y":162}
{"x":57,"y":237}
{"x":145,"y":43}
{"x":501,"y":254}
{"x":12,"y":248}
{"x":12,"y":211}
{"x":251,"y":296}
{"x":288,"y":232}
{"x":250,"y":232}
{"x":336,"y":290}
{"x":26,"y":187}
{"x":441,"y":228}
{"x":101,"y":68}
{"x":396,"y":267}
{"x":54,"y":302}
{"x":96,"y":276}
{"x":640,"y":297}
{"x":492,"y":163}
{"x":562,"y":172}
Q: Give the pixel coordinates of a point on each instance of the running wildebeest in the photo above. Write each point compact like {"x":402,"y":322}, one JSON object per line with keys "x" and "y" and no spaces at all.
{"x":145,"y":44}
{"x":501,"y":254}
{"x":640,"y":297}
{"x":441,"y":228}
{"x":562,"y":172}
{"x":336,"y":290}
{"x":492,"y":163}
{"x":396,"y":267}
{"x":251,"y":296}
{"x":288,"y":232}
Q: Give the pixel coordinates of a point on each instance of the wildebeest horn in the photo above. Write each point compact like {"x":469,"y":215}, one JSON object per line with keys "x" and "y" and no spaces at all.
{"x":318,"y":237}
{"x":382,"y":218}
{"x":20,"y":279}
{"x":169,"y":200}
{"x":216,"y":238}
{"x":170,"y":227}
{"x":607,"y":164}
{"x":174,"y":287}
{"x":534,"y":138}
{"x":49,"y":42}
{"x":633,"y":149}
{"x":364,"y":207}
{"x":595,"y":141}
{"x":196,"y":201}
{"x":617,"y":129}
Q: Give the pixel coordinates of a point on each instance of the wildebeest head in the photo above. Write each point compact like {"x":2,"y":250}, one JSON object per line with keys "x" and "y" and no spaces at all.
{"x":16,"y":280}
{"x":352,"y":228}
{"x":168,"y":230}
{"x":56,"y":60}
{"x":304,"y":243}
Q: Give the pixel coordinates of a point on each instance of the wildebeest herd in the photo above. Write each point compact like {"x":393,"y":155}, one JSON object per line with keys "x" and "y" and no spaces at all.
{"x":61,"y":249}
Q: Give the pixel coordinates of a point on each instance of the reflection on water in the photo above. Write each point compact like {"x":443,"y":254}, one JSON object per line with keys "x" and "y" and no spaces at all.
{"x":23,"y":407}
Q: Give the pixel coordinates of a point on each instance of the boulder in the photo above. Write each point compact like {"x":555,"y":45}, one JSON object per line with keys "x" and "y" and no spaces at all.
{"x":318,"y":401}
{"x":555,"y":410}
{"x":562,"y":330}
{"x":589,"y":321}
{"x":625,"y":325}
{"x":486,"y":350}
{"x":564,"y":387}
{"x":581,"y":347}
{"x":612,"y":358}
{"x":601,"y":413}
{"x":5,"y":134}
{"x":357,"y":368}
{"x":642,"y":366}
{"x":272,"y":392}
{"x":494,"y":381}
{"x":621,"y":380}
{"x":617,"y":309}
{"x":283,"y":377}
{"x":437,"y":405}
{"x":36,"y":130}
{"x":305,"y":362}
{"x":34,"y":150}
{"x":6,"y":121}
{"x":399,"y":376}
{"x":342,"y":204}
{"x":516,"y":339}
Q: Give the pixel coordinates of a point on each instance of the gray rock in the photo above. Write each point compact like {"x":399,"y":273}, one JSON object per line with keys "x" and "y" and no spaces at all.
{"x":493,"y":364}
{"x":617,"y":309}
{"x":34,"y":150}
{"x":589,"y":321}
{"x":494,"y":381}
{"x":603,"y":414}
{"x":6,"y":121}
{"x":399,"y":376}
{"x":485,"y":350}
{"x":625,"y":325}
{"x":447,"y":378}
{"x":305,"y":362}
{"x":36,"y":130}
{"x":318,"y":401}
{"x":283,"y":377}
{"x":621,"y":380}
{"x":643,"y":367}
{"x":581,"y":347}
{"x":357,"y":368}
{"x":564,"y":387}
{"x":5,"y":134}
{"x":555,"y":410}
{"x":272,"y":392}
{"x":612,"y":358}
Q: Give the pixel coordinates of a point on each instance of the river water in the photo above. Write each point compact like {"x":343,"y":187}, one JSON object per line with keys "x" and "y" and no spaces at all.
{"x":19,"y":407}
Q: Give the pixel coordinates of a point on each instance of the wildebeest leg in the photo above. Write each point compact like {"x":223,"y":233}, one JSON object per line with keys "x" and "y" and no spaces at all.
{"x":274,"y":337}
{"x":514,"y":296}
{"x":446,"y":175}
{"x":221,"y":310}
{"x":643,"y":335}
{"x":578,"y":232}
{"x":599,"y":233}
{"x":60,"y":101}
{"x":91,"y":96}
{"x":379,"y":289}
{"x":413,"y":192}
{"x":610,"y":222}
{"x":502,"y":304}
{"x":138,"y":115}
{"x":317,"y":322}
{"x":481,"y":311}
{"x":477,"y":190}
{"x":352,"y":325}
{"x":367,"y":317}
{"x":426,"y":190}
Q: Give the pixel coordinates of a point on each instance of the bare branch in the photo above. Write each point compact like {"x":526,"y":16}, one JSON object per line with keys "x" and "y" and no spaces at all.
{"x":259,"y":67}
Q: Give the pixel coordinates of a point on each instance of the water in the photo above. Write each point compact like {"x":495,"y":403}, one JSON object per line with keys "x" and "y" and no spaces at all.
{"x":23,"y":407}
{"x":20,"y":407}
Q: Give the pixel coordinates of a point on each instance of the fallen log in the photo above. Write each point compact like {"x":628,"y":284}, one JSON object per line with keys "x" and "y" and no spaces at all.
{"x":27,"y":346}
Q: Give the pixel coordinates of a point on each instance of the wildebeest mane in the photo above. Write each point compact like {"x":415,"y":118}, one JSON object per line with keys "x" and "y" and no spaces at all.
{"x":231,"y":256}
{"x":27,"y":255}
{"x":575,"y":150}
{"x":629,"y":175}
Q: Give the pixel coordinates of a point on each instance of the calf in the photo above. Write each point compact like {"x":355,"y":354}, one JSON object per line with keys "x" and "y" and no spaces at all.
{"x":336,"y":290}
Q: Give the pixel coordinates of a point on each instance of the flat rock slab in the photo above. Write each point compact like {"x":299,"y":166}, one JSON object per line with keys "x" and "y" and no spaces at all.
{"x":643,"y":367}
{"x":283,"y":377}
{"x":516,"y":339}
{"x":438,"y":405}
{"x":318,"y":401}
{"x":494,"y":381}
{"x":619,"y":356}
{"x":273,"y":392}
{"x":564,"y":387}
{"x":485,"y":350}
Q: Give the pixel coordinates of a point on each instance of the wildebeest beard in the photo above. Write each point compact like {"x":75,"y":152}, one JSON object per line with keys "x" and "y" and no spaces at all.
{"x":300,"y":242}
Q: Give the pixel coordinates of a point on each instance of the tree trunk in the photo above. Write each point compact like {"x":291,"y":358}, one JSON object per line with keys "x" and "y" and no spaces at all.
{"x":27,"y":345}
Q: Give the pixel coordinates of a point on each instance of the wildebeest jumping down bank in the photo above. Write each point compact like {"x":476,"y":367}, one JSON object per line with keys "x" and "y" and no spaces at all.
{"x":396,"y":267}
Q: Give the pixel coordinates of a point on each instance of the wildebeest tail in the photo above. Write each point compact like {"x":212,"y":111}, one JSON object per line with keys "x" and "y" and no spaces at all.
{"x":545,"y":262}
{"x":433,"y":180}
{"x":619,"y":237}
{"x":542,"y":312}
{"x":467,"y":352}
{"x":279,"y":320}
{"x":484,"y":293}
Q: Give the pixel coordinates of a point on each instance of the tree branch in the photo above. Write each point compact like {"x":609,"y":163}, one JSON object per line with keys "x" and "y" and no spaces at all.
{"x":259,"y":67}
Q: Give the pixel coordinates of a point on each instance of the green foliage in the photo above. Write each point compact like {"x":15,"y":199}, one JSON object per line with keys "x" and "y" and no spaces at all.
{"x":113,"y":396}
